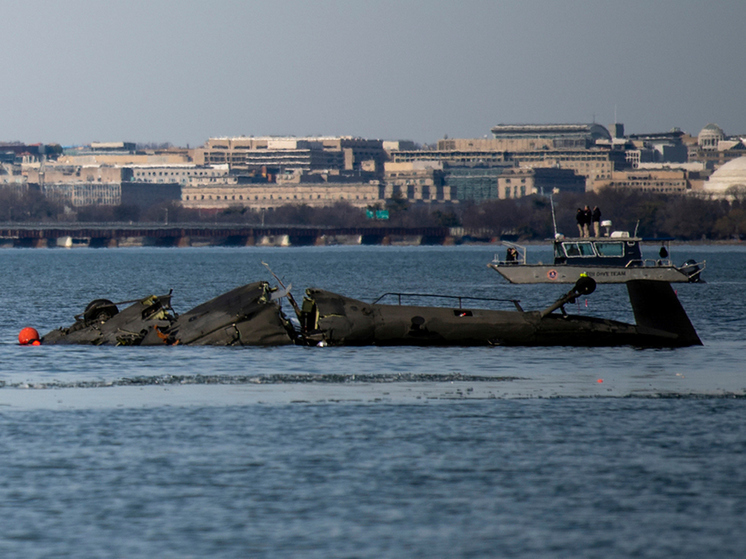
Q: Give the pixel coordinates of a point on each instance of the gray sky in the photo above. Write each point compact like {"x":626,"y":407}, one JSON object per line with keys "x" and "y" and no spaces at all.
{"x":78,"y":71}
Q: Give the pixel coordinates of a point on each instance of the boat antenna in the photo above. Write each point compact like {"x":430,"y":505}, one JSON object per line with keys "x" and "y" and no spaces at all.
{"x":636,"y":226}
{"x":554,"y":218}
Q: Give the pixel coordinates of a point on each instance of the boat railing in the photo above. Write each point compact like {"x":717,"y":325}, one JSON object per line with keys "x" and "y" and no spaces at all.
{"x":694,"y":269}
{"x":658,"y":262}
{"x":459,"y":298}
{"x":521,"y":259}
{"x":662,"y":262}
{"x":650,"y":263}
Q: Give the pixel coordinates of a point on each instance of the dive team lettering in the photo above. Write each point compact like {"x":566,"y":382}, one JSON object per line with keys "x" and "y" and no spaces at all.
{"x":608,"y":273}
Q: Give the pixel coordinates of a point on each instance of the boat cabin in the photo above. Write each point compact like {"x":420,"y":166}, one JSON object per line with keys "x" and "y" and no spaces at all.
{"x":607,"y":251}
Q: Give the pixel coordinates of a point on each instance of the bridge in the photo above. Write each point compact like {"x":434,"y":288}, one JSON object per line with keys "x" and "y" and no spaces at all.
{"x":113,"y":235}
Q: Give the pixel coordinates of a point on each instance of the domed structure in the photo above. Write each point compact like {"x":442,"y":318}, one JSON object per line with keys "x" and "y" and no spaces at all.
{"x":728,"y":180}
{"x":709,"y":136}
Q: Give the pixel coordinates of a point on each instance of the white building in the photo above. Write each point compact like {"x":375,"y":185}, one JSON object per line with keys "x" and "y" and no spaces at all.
{"x":729,"y":180}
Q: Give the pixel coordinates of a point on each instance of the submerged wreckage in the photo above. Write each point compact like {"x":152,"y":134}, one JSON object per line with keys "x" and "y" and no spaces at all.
{"x":247,"y":315}
{"x":252,"y":315}
{"x":660,"y":322}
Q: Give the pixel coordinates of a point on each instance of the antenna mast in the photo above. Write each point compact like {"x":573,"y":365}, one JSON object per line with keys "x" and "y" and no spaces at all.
{"x":554,"y":218}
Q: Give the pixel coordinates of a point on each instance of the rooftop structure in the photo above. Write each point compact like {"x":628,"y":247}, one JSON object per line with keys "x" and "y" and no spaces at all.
{"x":290,"y":153}
{"x":709,"y":136}
{"x":715,"y":149}
{"x":112,"y":146}
{"x":552,"y":136}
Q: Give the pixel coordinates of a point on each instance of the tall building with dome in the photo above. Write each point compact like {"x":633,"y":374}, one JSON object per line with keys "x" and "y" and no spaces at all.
{"x":710,"y":136}
{"x":714,"y":149}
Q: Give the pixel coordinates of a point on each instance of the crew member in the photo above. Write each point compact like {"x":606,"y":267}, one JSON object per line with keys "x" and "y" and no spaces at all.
{"x":580,"y":218}
{"x":512,"y":256}
{"x":596,"y":219}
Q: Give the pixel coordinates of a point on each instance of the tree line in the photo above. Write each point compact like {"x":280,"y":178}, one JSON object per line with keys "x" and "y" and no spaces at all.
{"x":528,"y":218}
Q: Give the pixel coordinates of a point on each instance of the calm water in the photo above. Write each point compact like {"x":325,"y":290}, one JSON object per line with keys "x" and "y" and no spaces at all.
{"x":234,"y":452}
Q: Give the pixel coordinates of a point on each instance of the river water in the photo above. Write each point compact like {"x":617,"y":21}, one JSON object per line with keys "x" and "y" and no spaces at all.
{"x":365,"y":452}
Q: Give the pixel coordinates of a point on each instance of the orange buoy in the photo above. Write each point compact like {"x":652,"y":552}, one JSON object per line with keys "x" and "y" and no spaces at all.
{"x":28,"y":336}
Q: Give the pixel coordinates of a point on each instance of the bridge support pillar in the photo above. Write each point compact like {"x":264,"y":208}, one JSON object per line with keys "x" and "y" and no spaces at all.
{"x":434,"y":240}
{"x":64,"y":242}
{"x":275,"y":240}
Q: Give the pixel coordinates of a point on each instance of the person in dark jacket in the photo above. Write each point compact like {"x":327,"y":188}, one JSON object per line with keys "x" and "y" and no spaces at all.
{"x":512,"y":256}
{"x":580,"y":218}
{"x":587,"y":216}
{"x":596,"y":220}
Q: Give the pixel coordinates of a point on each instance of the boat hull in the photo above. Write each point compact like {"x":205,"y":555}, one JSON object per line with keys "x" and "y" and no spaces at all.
{"x":548,"y":273}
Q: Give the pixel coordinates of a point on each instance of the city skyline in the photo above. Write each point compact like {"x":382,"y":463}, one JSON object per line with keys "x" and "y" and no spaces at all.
{"x":182,"y":72}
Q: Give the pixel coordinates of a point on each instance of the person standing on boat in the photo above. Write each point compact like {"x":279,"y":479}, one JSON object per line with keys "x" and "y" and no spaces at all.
{"x":587,"y":216}
{"x":596,"y":219}
{"x":580,"y":218}
{"x":512,"y":256}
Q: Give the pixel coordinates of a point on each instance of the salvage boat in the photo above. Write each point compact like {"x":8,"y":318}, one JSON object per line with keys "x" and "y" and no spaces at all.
{"x":616,"y":258}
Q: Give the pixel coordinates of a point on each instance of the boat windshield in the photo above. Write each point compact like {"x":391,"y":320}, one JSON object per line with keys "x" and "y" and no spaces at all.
{"x":610,"y":248}
{"x":582,"y":249}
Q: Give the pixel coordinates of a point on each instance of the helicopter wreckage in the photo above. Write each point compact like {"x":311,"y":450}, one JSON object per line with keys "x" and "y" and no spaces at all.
{"x":252,"y":315}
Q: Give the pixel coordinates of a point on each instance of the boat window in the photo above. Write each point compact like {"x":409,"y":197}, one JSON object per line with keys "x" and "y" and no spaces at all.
{"x":583,"y":249}
{"x":571,"y":249}
{"x":610,"y":249}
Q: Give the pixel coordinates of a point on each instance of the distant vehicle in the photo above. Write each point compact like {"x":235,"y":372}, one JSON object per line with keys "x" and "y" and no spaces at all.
{"x":616,"y":258}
